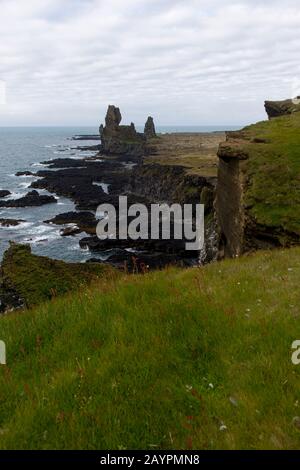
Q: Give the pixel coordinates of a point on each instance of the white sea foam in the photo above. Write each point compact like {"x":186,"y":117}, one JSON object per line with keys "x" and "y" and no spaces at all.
{"x":40,"y":164}
{"x":104,"y":186}
{"x":21,"y":226}
{"x":24,"y":185}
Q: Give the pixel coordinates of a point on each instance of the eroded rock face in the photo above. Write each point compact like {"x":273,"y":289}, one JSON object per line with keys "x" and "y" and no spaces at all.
{"x":120,"y":140}
{"x":149,"y":130}
{"x":229,"y":200}
{"x":281,"y":108}
{"x":113,"y":118}
{"x":257,"y":186}
{"x":170,"y":184}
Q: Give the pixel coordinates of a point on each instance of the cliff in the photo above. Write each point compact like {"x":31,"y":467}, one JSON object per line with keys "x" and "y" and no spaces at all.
{"x":171,"y":184}
{"x":281,"y":108}
{"x":258,"y":190}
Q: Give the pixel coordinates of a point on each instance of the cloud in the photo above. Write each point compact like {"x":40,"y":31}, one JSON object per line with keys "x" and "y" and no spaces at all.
{"x":192,"y":62}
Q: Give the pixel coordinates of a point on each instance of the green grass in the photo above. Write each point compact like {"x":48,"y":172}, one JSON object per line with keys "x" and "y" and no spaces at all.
{"x":274,"y":172}
{"x":159,"y":361}
{"x":37,"y":278}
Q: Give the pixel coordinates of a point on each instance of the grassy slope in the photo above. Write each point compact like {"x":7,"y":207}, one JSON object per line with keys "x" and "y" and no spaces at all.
{"x":130,"y":366}
{"x":274,"y":169}
{"x":37,"y":278}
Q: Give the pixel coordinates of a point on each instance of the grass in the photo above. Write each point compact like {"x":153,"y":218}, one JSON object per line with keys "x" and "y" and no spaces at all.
{"x":36,"y":278}
{"x":197,"y":152}
{"x":187,"y":359}
{"x":273,"y":168}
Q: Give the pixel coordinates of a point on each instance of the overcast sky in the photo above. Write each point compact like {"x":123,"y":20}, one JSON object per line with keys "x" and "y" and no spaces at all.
{"x":194,"y":62}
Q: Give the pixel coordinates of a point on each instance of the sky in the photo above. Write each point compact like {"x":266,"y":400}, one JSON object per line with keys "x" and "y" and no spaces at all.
{"x":185,"y":62}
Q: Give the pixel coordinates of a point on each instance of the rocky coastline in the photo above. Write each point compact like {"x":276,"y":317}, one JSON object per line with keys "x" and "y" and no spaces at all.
{"x":223,"y":172}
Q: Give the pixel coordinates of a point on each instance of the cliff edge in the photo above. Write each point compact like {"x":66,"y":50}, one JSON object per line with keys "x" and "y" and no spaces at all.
{"x":258,"y":190}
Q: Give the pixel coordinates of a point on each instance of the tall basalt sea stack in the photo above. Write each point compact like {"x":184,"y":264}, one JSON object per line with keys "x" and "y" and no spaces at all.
{"x":120,"y":140}
{"x":149,"y":130}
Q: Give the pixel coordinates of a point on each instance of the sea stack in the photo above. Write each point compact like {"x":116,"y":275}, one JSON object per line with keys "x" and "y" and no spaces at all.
{"x":149,"y":130}
{"x":120,"y":140}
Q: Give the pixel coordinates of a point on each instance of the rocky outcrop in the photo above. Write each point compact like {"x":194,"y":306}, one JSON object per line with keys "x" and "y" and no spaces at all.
{"x":149,"y":130}
{"x":76,"y":180}
{"x":81,"y":221}
{"x":24,"y":173}
{"x":27,"y":280}
{"x":33,"y":198}
{"x":117,"y":139}
{"x":4,"y":193}
{"x":281,"y":108}
{"x":10,"y":222}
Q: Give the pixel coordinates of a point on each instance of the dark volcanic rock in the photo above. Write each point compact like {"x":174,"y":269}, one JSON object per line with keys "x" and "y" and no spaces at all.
{"x":84,"y":221}
{"x":88,"y":148}
{"x":10,"y":222}
{"x":64,"y":163}
{"x":138,"y":262}
{"x":4,"y":193}
{"x":118,"y":140}
{"x":78,"y":182}
{"x":169,"y":184}
{"x":24,"y":173}
{"x":168,"y":247}
{"x":32,"y":198}
{"x":149,"y":130}
{"x":281,"y":108}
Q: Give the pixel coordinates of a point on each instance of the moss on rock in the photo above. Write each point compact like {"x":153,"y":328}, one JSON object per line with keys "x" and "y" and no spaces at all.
{"x":28,"y":279}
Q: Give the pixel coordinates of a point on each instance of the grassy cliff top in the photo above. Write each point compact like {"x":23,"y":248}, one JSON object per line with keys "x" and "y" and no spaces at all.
{"x":195,"y":151}
{"x":273,"y":194}
{"x":186,"y":359}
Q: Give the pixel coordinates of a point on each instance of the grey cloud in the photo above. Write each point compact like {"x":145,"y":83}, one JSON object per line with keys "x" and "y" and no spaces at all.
{"x":194,"y":62}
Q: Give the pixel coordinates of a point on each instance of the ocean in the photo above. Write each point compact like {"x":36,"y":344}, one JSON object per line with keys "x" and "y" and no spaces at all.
{"x":23,"y":149}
